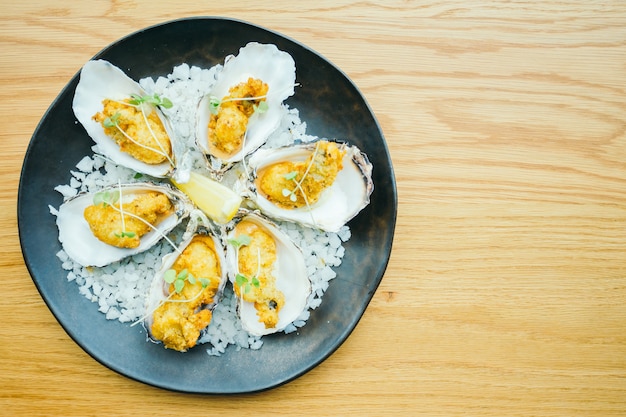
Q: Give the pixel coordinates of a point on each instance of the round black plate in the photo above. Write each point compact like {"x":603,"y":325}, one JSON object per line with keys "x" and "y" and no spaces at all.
{"x":332,"y":107}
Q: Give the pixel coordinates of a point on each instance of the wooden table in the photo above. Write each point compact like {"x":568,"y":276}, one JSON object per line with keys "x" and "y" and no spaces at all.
{"x":505,"y":294}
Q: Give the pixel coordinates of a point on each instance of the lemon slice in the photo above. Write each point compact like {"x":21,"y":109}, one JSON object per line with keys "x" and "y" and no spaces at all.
{"x":217,"y":201}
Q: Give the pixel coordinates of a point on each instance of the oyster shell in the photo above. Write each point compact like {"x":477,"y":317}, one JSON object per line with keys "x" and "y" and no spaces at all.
{"x":176,"y":317}
{"x":100,"y":80}
{"x":79,"y":242}
{"x":337,"y":204}
{"x":270,"y":280}
{"x":263,"y":62}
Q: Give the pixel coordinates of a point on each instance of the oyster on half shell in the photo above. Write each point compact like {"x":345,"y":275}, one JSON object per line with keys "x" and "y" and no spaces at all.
{"x":258,"y":62}
{"x":80,"y":243}
{"x":99,"y":81}
{"x":337,"y":204}
{"x":268,"y":273}
{"x":186,"y":289}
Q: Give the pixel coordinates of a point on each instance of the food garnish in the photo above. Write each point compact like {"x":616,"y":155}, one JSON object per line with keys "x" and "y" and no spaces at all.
{"x":155,"y":100}
{"x":216,"y":200}
{"x":171,"y":277}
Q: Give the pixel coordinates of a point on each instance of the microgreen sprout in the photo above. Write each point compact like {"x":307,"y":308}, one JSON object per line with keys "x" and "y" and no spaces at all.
{"x":111,"y":122}
{"x":155,"y":100}
{"x":291,"y":176}
{"x":125,"y":234}
{"x":246,"y":283}
{"x":241,"y":240}
{"x":262,"y":107}
{"x":106,"y":197}
{"x":215,"y":103}
{"x":179,"y":280}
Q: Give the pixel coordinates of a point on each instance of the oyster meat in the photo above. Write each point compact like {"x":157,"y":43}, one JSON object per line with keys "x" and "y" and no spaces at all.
{"x":96,"y":229}
{"x":268,"y":274}
{"x":244,"y":106}
{"x":322,"y":184}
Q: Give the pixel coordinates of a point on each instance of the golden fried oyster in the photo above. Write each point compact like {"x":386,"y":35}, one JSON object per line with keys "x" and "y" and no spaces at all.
{"x":178,"y":321}
{"x":137,"y":129}
{"x":257,"y":283}
{"x":298,"y":184}
{"x":227,"y":127}
{"x":106,"y":223}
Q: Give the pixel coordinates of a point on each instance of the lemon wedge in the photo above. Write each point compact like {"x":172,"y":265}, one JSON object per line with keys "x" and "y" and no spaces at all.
{"x":217,"y":201}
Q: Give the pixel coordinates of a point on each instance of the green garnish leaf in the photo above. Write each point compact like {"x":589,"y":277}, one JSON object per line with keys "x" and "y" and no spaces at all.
{"x":179,"y":284}
{"x":246,"y":284}
{"x":135,"y":99}
{"x":241,"y":240}
{"x":111,"y":121}
{"x":166,"y":103}
{"x":262,"y":107}
{"x":99,"y":198}
{"x":179,"y":280}
{"x":214,"y":104}
{"x":125,"y":234}
{"x":155,"y":100}
{"x":169,"y":276}
{"x":240,"y":280}
{"x":291,"y":175}
{"x":106,"y":197}
{"x":137,"y":175}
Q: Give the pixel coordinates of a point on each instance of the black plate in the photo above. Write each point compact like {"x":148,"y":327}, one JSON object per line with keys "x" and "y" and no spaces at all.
{"x":332,"y":107}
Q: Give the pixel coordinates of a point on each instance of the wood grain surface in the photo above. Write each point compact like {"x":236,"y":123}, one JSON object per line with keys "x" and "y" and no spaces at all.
{"x":505,"y":294}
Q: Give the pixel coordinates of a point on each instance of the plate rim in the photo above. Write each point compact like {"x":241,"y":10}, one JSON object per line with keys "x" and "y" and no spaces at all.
{"x":67,"y":328}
